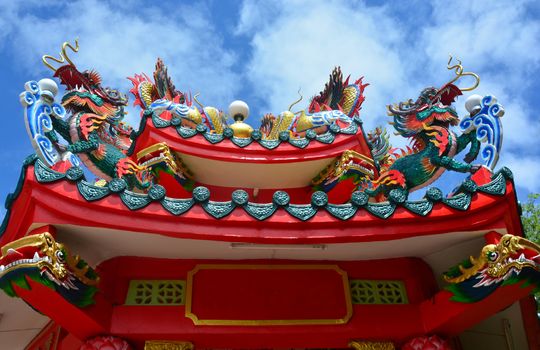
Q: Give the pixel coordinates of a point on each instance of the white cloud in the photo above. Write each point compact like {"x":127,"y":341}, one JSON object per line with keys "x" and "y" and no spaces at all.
{"x":300,"y":46}
{"x":487,"y":35}
{"x":497,"y":40}
{"x":525,"y":169}
{"x":253,"y":16}
{"x":118,"y":42}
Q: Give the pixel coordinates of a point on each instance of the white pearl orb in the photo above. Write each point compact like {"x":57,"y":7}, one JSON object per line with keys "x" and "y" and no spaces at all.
{"x":48,"y":86}
{"x":473,"y":103}
{"x":238,"y":108}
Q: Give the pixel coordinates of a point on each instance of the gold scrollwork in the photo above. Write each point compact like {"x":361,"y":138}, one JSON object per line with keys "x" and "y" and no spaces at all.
{"x":161,"y":153}
{"x":369,"y":345}
{"x":348,"y":160}
{"x":167,"y":345}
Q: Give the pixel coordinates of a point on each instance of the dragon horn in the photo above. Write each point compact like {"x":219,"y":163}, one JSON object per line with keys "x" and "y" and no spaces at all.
{"x":458,"y":69}
{"x":393,"y":111}
{"x":295,"y":102}
{"x":525,"y":243}
{"x":197,"y":101}
{"x":74,"y":49}
{"x":63,"y":55}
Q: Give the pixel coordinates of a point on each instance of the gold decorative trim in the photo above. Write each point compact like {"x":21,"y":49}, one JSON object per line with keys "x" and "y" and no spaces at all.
{"x":52,"y":255}
{"x":167,"y":345}
{"x":217,"y":322}
{"x":348,"y":160}
{"x":175,"y":163}
{"x":369,"y":345}
{"x":496,"y":259}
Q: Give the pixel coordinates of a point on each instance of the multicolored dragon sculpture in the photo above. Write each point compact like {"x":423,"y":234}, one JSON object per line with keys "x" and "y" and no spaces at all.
{"x":162,"y":98}
{"x":352,"y":169}
{"x":94,"y":128}
{"x":338,"y":103}
{"x":427,"y":123}
{"x":40,"y":258}
{"x":505,"y":260}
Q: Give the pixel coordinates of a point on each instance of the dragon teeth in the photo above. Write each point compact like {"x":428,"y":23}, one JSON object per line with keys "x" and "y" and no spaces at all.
{"x":2,"y":268}
{"x":36,"y":257}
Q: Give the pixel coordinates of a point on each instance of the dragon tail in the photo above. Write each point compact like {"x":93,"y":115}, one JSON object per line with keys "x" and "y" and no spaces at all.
{"x":143,"y":90}
{"x":164,"y":85}
{"x":339,"y":94}
{"x":272,"y":126}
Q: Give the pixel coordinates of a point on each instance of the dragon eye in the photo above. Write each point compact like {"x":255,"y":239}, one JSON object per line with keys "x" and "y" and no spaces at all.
{"x":493,"y":256}
{"x":60,"y":255}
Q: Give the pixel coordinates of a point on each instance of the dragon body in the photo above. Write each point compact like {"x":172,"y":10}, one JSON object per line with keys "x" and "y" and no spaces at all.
{"x":427,"y":123}
{"x":40,"y":258}
{"x":161,"y":97}
{"x":338,"y":103}
{"x":94,"y":129}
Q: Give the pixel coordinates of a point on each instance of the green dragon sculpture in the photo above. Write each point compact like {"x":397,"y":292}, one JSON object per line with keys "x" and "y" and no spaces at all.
{"x":40,"y":258}
{"x":427,"y":122}
{"x":94,"y":127}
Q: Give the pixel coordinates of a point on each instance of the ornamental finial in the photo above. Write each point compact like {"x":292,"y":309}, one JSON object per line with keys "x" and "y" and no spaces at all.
{"x":239,"y":110}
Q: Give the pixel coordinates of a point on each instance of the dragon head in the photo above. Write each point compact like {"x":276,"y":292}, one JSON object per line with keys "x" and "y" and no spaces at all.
{"x":498,"y":262}
{"x":84,"y":91}
{"x":40,"y":258}
{"x":433,"y":105}
{"x":510,"y":254}
{"x":161,"y":162}
{"x":351,"y":166}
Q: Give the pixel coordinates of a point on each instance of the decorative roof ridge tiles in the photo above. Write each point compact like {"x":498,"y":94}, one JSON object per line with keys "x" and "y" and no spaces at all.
{"x":284,"y":137}
{"x":460,"y":200}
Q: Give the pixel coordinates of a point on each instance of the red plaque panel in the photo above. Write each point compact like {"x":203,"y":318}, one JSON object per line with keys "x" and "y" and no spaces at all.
{"x":268,"y":295}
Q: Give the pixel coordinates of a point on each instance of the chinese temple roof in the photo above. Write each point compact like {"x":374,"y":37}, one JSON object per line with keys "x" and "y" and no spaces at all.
{"x":190,"y":191}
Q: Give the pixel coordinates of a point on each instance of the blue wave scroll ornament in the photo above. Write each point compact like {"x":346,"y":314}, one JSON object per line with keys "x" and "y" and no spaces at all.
{"x":179,"y":110}
{"x":485,"y":118}
{"x":39,"y":107}
{"x":329,"y":117}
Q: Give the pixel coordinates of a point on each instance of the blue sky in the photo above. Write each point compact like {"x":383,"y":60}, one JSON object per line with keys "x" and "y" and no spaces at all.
{"x":263,"y":51}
